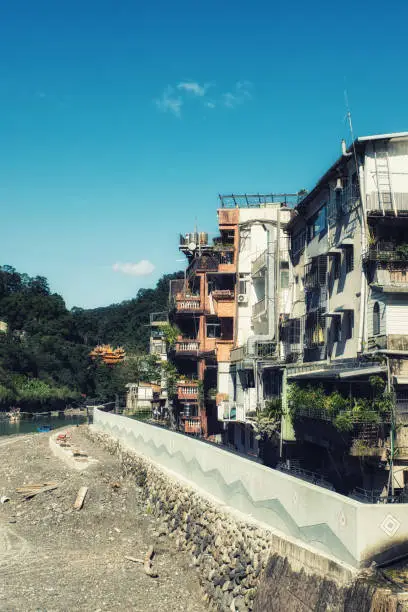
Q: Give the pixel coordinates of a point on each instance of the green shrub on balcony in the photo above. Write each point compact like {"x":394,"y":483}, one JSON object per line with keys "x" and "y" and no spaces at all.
{"x":342,"y":411}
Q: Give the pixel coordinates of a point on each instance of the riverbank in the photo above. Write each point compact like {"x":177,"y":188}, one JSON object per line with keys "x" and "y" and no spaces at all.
{"x":56,"y":558}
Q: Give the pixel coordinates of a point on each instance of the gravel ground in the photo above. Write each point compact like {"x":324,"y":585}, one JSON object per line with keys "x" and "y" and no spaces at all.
{"x":53,"y":557}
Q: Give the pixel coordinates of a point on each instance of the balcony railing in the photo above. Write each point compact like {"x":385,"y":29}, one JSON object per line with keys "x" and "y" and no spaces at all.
{"x":223,"y":294}
{"x":259,"y":263}
{"x":187,"y":391}
{"x":187,"y":346}
{"x":259,"y":308}
{"x":187,"y":303}
{"x":386,"y":251}
{"x":387,"y":203}
{"x":192,"y":425}
{"x":392,"y":342}
{"x":158,"y":318}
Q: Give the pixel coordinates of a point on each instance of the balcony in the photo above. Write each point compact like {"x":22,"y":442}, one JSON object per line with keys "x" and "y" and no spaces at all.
{"x":391,"y":279}
{"x":223,"y":294}
{"x":391,"y":342}
{"x":231,"y":411}
{"x":187,"y":390}
{"x":259,"y":264}
{"x":192,"y":425}
{"x":158,"y":318}
{"x":259,"y":309}
{"x":387,"y":251}
{"x":187,"y":347}
{"x":387,"y":203}
{"x":186,"y":303}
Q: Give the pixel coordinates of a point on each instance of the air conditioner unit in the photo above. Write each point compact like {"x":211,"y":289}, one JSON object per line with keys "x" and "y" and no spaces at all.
{"x":242,"y":298}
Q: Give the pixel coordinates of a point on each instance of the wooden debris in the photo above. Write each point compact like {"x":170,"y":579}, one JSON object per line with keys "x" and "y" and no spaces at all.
{"x":79,"y":502}
{"x":134,"y":559}
{"x":147,"y":565}
{"x":31,"y":490}
{"x":115,"y":485}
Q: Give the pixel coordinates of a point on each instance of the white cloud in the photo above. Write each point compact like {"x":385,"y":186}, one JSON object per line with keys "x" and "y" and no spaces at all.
{"x":169,"y":102}
{"x":240,"y":94}
{"x":193,"y":87}
{"x":210,"y":104}
{"x":141,"y":268}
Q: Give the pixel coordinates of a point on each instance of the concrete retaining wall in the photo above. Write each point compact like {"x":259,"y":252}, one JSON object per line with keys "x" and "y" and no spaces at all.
{"x":347,"y":530}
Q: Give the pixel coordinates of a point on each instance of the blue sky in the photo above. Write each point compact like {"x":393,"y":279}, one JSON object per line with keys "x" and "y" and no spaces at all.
{"x":121,"y":121}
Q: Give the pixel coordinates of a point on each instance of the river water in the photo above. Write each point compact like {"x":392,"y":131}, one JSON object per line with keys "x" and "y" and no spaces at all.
{"x":28,"y":425}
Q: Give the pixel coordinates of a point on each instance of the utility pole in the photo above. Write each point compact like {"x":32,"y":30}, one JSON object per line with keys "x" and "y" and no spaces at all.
{"x":392,"y":431}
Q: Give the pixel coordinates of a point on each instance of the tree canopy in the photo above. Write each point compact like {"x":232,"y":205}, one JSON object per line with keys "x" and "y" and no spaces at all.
{"x":44,"y":354}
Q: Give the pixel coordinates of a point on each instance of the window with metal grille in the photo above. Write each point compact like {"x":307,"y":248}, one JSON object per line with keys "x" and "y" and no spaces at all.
{"x":317,"y":224}
{"x":376,"y":319}
{"x":348,"y":324}
{"x":349,"y":255}
{"x":336,"y":329}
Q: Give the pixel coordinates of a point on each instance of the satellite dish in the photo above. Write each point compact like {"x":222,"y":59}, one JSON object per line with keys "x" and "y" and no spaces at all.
{"x":192,"y":246}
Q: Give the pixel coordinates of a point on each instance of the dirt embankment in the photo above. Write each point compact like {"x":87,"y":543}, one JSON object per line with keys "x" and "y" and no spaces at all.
{"x":53,"y":557}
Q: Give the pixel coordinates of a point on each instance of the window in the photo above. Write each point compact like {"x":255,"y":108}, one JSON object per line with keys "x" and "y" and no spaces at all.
{"x":298,"y":242}
{"x":284,"y":275}
{"x":317,"y":224}
{"x":243,"y":284}
{"x":213,"y":327}
{"x":349,"y":259}
{"x":336,"y":329}
{"x":336,"y":266}
{"x":348,"y":324}
{"x":376,"y":319}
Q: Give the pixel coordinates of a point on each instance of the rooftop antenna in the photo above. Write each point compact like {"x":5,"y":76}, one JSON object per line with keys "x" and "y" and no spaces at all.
{"x":348,"y":115}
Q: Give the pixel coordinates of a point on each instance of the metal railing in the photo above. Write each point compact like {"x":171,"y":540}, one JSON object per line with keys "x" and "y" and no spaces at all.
{"x":388,"y":202}
{"x":245,"y":200}
{"x":158,"y":318}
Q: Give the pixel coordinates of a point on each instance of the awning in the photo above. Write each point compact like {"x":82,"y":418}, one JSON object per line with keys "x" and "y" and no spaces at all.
{"x":347,"y":242}
{"x":332,"y":313}
{"x":334,"y":251}
{"x":379,"y":369}
{"x":401,"y":380}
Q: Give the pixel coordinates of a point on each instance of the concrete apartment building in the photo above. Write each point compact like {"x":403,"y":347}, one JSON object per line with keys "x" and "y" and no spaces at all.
{"x":312,"y":292}
{"x":262,"y":292}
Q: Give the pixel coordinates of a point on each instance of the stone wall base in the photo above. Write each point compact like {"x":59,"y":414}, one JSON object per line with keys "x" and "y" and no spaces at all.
{"x":243,"y":566}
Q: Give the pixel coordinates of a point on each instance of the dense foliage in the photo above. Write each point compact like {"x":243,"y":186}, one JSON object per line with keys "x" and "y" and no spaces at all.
{"x":125,"y":324}
{"x":344,"y":412}
{"x":44,"y":354}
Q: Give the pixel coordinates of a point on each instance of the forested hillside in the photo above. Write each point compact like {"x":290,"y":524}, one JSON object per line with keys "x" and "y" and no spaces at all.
{"x":44,"y":355}
{"x":127,"y":323}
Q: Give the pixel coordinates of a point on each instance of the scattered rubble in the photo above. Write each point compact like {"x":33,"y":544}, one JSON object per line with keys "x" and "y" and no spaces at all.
{"x":79,"y":557}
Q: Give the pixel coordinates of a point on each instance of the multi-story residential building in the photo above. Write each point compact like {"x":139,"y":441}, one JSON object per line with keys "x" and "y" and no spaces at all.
{"x":349,"y":295}
{"x":203,"y":309}
{"x":312,"y":292}
{"x":261,"y":300}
